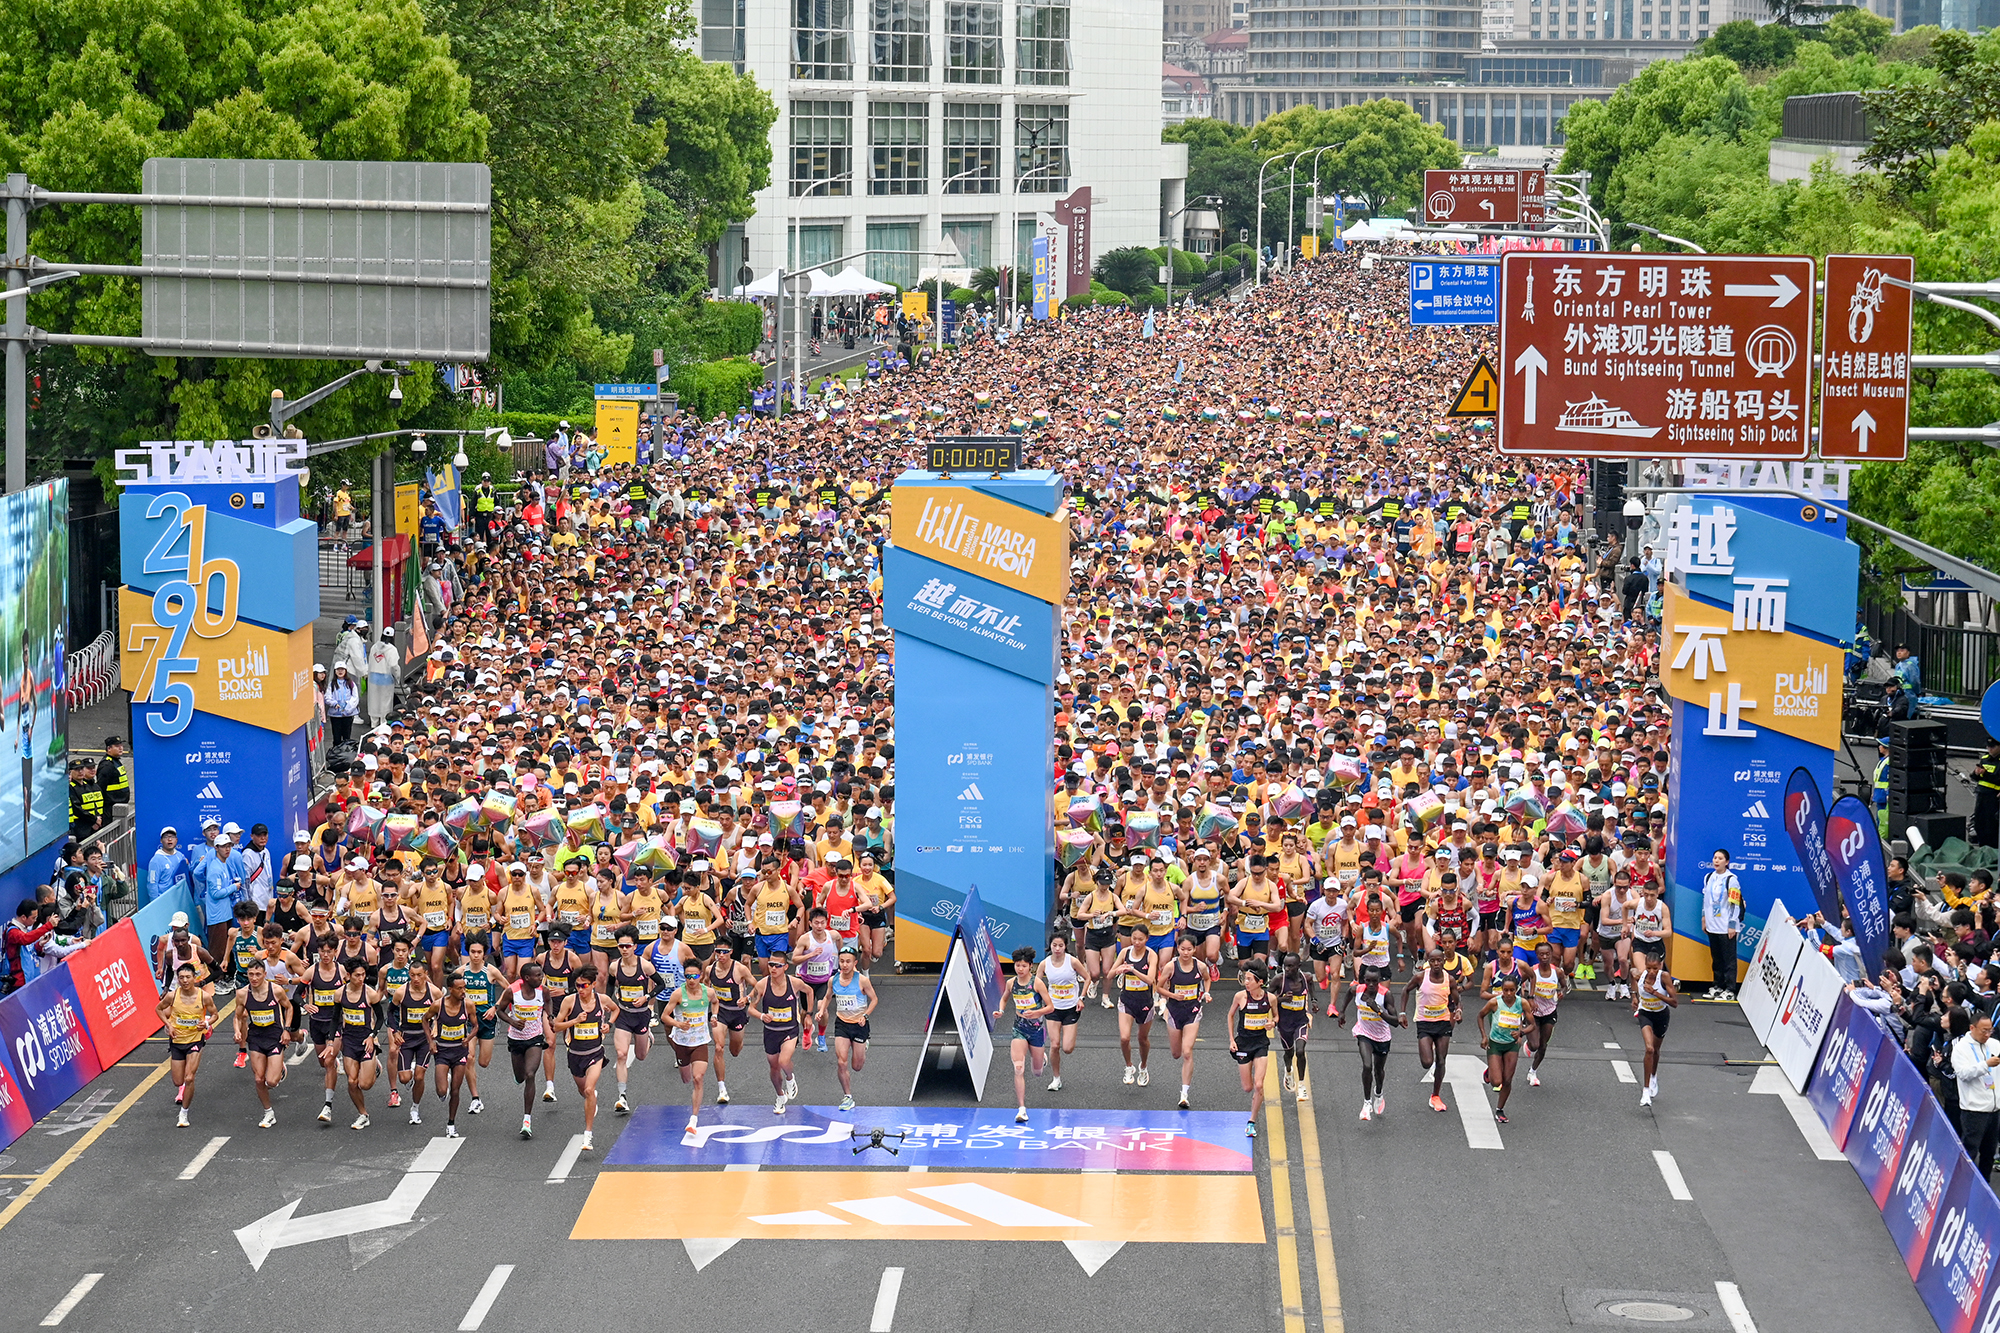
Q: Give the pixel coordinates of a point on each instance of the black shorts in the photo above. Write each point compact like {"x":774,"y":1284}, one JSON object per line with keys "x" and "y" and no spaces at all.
{"x":451,"y":1057}
{"x":1065,"y":1016}
{"x":850,"y":1031}
{"x":179,"y":1050}
{"x":735,"y":1020}
{"x":353,"y":1048}
{"x":1549,"y":1017}
{"x":1408,"y":911}
{"x":702,"y":952}
{"x":775,"y":1039}
{"x":516,"y":1046}
{"x":1372,"y":1046}
{"x":1246,"y":1051}
{"x":1433,"y":1027}
{"x":266,"y":1043}
{"x":1655,"y":1019}
{"x":1651,"y":948}
{"x":1139,"y":1006}
{"x":1326,"y":953}
{"x":1100,"y":937}
{"x":1493,"y":920}
{"x":1288,"y":1033}
{"x":321,"y":1033}
{"x":415,"y":1054}
{"x":630,"y":1021}
{"x":874,"y":920}
{"x":580,"y":1062}
{"x":1180,"y":1013}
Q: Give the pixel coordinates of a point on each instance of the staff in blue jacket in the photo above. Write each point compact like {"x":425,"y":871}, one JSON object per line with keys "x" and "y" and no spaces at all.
{"x":168,"y":870}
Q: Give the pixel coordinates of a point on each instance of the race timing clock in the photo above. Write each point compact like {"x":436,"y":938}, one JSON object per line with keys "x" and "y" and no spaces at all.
{"x":974,"y":454}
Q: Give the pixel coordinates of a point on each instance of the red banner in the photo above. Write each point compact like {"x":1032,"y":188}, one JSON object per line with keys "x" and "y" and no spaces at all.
{"x":114,"y":987}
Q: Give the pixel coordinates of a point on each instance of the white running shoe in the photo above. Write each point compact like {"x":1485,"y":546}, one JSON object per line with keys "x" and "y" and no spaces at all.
{"x":1021,"y":1116}
{"x":791,"y":1087}
{"x":450,"y":1130}
{"x":847,"y":1102}
{"x":1367,"y":1109}
{"x":1144,"y":1078}
{"x":1131,"y":1074}
{"x":270,"y":1118}
{"x":1090,"y":991}
{"x":326,"y":1114}
{"x":549,"y":1093}
{"x":1381,"y":1107}
{"x":1055,"y":1084}
{"x":778,"y":1104}
{"x":527,"y":1127}
{"x":416,"y":1116}
{"x":477,"y":1106}
{"x":1653,"y":1085}
{"x":588,"y":1146}
{"x":1291,"y":1080}
{"x":621,"y":1106}
{"x":360,"y":1121}
{"x":1107,"y":1000}
{"x":1646,"y":1098}
{"x":691,"y":1125}
{"x":182,"y":1123}
{"x":1305,"y":1093}
{"x":721,"y":1093}
{"x":1534,"y":1079}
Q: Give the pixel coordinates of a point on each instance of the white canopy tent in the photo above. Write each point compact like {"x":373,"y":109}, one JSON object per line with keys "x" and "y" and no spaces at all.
{"x":851,"y":282}
{"x":1377,"y":229}
{"x":767,"y":286}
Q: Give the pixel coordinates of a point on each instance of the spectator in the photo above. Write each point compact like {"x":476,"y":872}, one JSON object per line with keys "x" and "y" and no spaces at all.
{"x":352,"y":647}
{"x":385,"y":666}
{"x":80,"y":898}
{"x":1974,"y":1058}
{"x":1908,"y":671}
{"x":343,"y":702}
{"x":343,"y":511}
{"x":32,"y":921}
{"x":222,"y":884}
{"x":168,"y":870}
{"x":1721,"y":918}
{"x":260,"y":876}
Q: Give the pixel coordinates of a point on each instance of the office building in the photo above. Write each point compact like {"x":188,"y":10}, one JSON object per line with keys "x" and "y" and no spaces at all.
{"x":904,"y":122}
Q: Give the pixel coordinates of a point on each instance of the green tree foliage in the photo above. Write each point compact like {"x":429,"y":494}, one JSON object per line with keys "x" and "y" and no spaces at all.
{"x":1220,"y":164}
{"x":1124,"y":270}
{"x":1752,"y":45}
{"x":1918,"y":122}
{"x":1854,"y":31}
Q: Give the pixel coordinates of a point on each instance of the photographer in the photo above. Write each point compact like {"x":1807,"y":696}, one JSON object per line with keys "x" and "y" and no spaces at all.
{"x":31,"y":922}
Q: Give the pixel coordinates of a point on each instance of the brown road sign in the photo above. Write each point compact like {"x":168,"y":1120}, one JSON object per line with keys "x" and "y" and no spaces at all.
{"x":1479,"y":396}
{"x":1608,"y":355}
{"x":1496,"y":195}
{"x":1864,"y":394}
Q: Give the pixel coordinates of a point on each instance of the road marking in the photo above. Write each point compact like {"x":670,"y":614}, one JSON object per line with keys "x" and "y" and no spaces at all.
{"x":889,"y":1205}
{"x":279,"y":1230}
{"x":1331,"y":1318}
{"x":1623,"y":1068}
{"x":1670,"y":1171}
{"x":1291,"y":1289}
{"x":884,"y":1318}
{"x":1770,"y":1082}
{"x":1613,"y":1046}
{"x":571,"y":1151}
{"x":919,"y":1167}
{"x":705,"y":1250}
{"x":203,"y":1158}
{"x":68,"y":1303}
{"x":1466,"y":1075}
{"x":1732,"y":1305}
{"x":475,"y":1315}
{"x":89,"y":1136}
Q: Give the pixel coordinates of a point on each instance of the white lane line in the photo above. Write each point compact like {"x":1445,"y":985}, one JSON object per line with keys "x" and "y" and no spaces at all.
{"x":742,"y":1166}
{"x":1732,"y":1305}
{"x":68,"y":1303}
{"x":1670,"y":1171}
{"x":919,"y":1167}
{"x":1613,"y":1046}
{"x":1464,"y":1073}
{"x":203,"y":1158}
{"x":884,"y":1318}
{"x":571,"y":1151}
{"x":1623,"y":1068}
{"x":483,"y":1302}
{"x":1770,"y":1082}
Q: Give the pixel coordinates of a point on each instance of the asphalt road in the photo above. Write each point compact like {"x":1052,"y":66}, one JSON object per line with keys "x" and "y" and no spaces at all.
{"x":1573,"y":1212}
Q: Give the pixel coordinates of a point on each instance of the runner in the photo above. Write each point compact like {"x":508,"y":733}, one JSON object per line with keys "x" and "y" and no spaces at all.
{"x":433,"y":902}
{"x":850,"y":997}
{"x":1206,"y":891}
{"x":484,"y":985}
{"x":1064,"y":983}
{"x":1567,"y":893}
{"x":775,"y":1002}
{"x":189,"y":1013}
{"x":633,"y":984}
{"x":690,"y":1023}
{"x":816,"y":955}
{"x":580,"y":1021}
{"x":1250,"y":1024}
{"x":523,"y":1006}
{"x":1547,"y":984}
{"x":1437,"y":1013}
{"x":412,"y":1011}
{"x":319,"y":1000}
{"x":263,"y":1020}
{"x":1255,"y":899}
{"x":559,"y":964}
{"x":1374,"y":1021}
{"x":1614,"y":940}
{"x":359,"y":1003}
{"x":1184,"y":983}
{"x":1294,"y":997}
{"x":1030,"y":998}
{"x":1327,"y":936}
{"x":878,"y":899}
{"x":1505,"y":1019}
{"x":1100,"y":940}
{"x":456,"y":1028}
{"x":1654,"y":997}
{"x":519,"y":915}
{"x":1131,"y":976}
{"x":730,"y":981}
{"x":1650,"y":922}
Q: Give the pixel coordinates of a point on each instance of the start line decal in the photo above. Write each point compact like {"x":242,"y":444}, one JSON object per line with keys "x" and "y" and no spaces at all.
{"x":952,"y":1139}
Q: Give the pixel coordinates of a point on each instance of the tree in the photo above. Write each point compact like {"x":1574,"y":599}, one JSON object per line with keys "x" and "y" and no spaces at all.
{"x":1797,"y":13}
{"x":1667,"y":98}
{"x":1752,"y":45}
{"x":1128,"y":269}
{"x":1853,"y":31}
{"x":1916,"y":124}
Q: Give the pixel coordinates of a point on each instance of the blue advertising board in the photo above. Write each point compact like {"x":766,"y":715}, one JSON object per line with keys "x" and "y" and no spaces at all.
{"x":1929,"y":1163}
{"x":957,"y":1138}
{"x":1822,"y":585}
{"x":48,"y":1047}
{"x":1890,"y":1100}
{"x":1454,"y":292}
{"x":1854,"y":1042}
{"x":1855,"y":848}
{"x":636,"y":391}
{"x":1038,"y":252}
{"x":225,"y":768}
{"x":1957,"y":1280}
{"x":968,"y":614}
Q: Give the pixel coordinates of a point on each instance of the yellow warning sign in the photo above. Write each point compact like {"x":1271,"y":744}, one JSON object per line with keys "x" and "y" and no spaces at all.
{"x":1479,"y":396}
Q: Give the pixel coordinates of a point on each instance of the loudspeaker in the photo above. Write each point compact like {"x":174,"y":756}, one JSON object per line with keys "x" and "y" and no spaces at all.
{"x":1935,"y":828}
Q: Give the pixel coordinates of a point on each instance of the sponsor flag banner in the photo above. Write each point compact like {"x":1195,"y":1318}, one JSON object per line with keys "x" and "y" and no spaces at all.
{"x":1855,"y":849}
{"x":1770,"y":971}
{"x":1805,"y":821}
{"x":47,"y":1043}
{"x":1804,"y":1015}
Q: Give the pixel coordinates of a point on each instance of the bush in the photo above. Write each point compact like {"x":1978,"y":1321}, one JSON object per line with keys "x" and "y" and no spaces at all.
{"x":1080,"y":301}
{"x":718,"y":330}
{"x":1126,"y":268}
{"x":1113,"y":298}
{"x":711,"y":388}
{"x":966,"y":297}
{"x":1147,"y":298}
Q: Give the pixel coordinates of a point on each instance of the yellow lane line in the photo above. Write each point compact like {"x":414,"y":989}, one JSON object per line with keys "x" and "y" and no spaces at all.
{"x":1284,"y":1215}
{"x":1331,"y":1318}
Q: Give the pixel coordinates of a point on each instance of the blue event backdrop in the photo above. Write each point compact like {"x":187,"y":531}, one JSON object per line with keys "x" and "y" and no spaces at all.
{"x":975,"y":745}
{"x":1729,"y":792}
{"x":34,"y":633}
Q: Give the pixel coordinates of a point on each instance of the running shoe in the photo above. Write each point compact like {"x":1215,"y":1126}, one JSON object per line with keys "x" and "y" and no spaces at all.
{"x":477,"y":1106}
{"x":1090,"y":991}
{"x":1291,"y":1080}
{"x":450,"y":1130}
{"x":778,"y":1104}
{"x":270,"y":1118}
{"x":588,"y":1146}
{"x":1534,"y":1079}
{"x":1107,"y":1000}
{"x":1367,"y":1109}
{"x":1144,"y":1077}
{"x":820,"y":1045}
{"x":416,"y":1115}
{"x":527,"y":1127}
{"x":1329,"y":1008}
{"x":1131,"y":1075}
{"x":721,"y":1093}
{"x":621,"y":1106}
{"x":1250,"y":1128}
{"x":691,"y":1126}
{"x":548,"y":1094}
{"x":242,"y":1059}
{"x":1437,"y":1103}
{"x":791,"y":1085}
{"x":326,"y":1114}
{"x":1183,"y":1102}
{"x":847,"y":1102}
{"x":360,"y":1121}
{"x":1500,"y":1116}
{"x":395,"y":1098}
{"x":1646,"y":1098}
{"x":1381,"y":1106}
{"x":182,"y":1123}
{"x":1021,"y":1116}
{"x":1055,"y":1084}
{"x":1305,"y":1092}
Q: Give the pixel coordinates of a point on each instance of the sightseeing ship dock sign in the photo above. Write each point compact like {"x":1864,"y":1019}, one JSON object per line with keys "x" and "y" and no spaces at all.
{"x":1629,"y":356}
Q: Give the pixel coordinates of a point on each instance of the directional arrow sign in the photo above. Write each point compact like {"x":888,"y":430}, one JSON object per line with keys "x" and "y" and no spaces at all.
{"x":1780,"y":289}
{"x":280,"y":1230}
{"x":1863,"y":424}
{"x":1529,"y":364}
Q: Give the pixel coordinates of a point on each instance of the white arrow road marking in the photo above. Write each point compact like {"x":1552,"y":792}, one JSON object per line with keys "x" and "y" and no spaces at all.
{"x":1094,"y":1254}
{"x":483,"y":1302}
{"x":884,"y":1318}
{"x":280,"y":1230}
{"x":68,"y":1303}
{"x":1781,"y":289}
{"x":1529,"y":364}
{"x":990,"y":1205}
{"x":705,"y":1250}
{"x":1771,"y":1083}
{"x":892,"y":1210}
{"x":1466,"y":1074}
{"x":202,"y":1158}
{"x":1863,"y":424}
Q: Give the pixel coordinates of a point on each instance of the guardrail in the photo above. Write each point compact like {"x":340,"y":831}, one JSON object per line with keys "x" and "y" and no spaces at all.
{"x":92,"y":672}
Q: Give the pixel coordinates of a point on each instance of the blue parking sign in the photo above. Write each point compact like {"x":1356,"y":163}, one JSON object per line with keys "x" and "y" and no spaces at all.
{"x":1454,"y":292}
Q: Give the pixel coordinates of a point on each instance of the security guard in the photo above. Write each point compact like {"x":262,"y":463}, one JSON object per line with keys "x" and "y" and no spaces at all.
{"x":483,"y":505}
{"x":86,"y":800}
{"x":111,"y":775}
{"x":1882,"y":774}
{"x":1986,"y":797}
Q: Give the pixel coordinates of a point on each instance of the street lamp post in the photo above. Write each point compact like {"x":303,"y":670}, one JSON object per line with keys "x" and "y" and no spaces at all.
{"x":798,"y":305}
{"x":1260,"y":210}
{"x":1205,"y":201}
{"x":1034,"y":132}
{"x":1316,"y":155}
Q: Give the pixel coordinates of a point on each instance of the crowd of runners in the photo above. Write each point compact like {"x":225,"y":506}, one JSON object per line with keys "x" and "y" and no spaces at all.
{"x":1352,"y":727}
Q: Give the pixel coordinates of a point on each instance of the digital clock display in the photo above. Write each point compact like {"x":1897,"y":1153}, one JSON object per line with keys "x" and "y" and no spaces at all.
{"x":974,"y":455}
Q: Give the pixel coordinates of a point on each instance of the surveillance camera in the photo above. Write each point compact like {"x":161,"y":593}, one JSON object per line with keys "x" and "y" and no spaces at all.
{"x":396,"y":390}
{"x":1635,"y":514}
{"x":417,"y":446}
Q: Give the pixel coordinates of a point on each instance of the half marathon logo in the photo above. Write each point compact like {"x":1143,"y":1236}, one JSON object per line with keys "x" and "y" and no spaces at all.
{"x":950,"y":528}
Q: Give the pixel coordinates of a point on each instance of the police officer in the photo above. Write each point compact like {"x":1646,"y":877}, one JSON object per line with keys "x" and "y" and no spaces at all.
{"x":483,"y":505}
{"x":86,"y":799}
{"x":1881,"y":777}
{"x":112,"y":778}
{"x":1986,"y":797}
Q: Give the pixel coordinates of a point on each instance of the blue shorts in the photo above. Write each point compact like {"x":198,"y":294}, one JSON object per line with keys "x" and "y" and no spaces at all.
{"x":1252,"y":936}
{"x":1524,"y":955}
{"x":770,"y":944}
{"x":1563,"y":937}
{"x":579,"y":941}
{"x":437,"y":939}
{"x":1160,"y":942}
{"x":513,"y":948}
